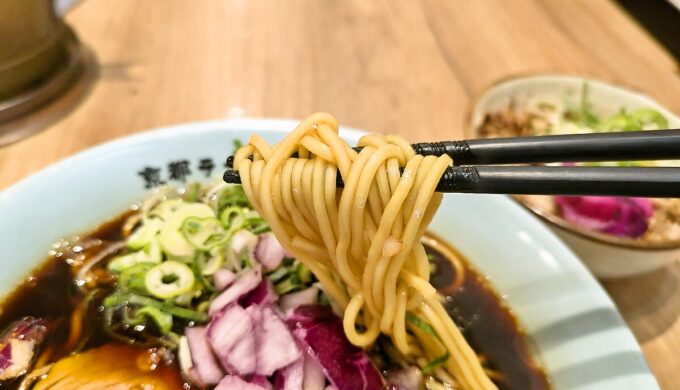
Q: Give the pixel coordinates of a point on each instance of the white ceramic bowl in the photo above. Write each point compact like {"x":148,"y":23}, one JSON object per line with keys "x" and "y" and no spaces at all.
{"x":606,"y":256}
{"x":578,"y":335}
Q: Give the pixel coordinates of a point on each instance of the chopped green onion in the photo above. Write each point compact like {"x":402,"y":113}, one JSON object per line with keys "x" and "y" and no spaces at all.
{"x":162,"y":319}
{"x":210,"y":262}
{"x":144,"y":233}
{"x":203,"y":233}
{"x":117,"y":300}
{"x":232,"y":196}
{"x":232,"y":217}
{"x":169,"y":279}
{"x":279,"y":274}
{"x":620,"y":121}
{"x":132,"y":279}
{"x":201,"y":278}
{"x":187,"y":298}
{"x":587,"y":117}
{"x":192,"y":193}
{"x":288,"y":285}
{"x":323,"y":300}
{"x":172,"y":241}
{"x":247,"y":262}
{"x":421,"y":324}
{"x":256,"y":225}
{"x":304,"y":274}
{"x":427,"y":328}
{"x":166,"y":208}
{"x":151,"y":253}
{"x":237,"y":145}
{"x":431,"y":366}
{"x":648,"y":115}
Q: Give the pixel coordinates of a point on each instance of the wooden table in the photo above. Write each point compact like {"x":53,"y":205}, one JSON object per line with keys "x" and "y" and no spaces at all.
{"x":403,"y":66}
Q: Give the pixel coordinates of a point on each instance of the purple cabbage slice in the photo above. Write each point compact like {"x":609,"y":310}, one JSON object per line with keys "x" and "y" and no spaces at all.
{"x":619,"y":216}
{"x":320,"y":332}
{"x":18,"y":346}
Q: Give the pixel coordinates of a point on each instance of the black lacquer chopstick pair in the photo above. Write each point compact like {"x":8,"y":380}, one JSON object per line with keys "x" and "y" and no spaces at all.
{"x":470,"y":177}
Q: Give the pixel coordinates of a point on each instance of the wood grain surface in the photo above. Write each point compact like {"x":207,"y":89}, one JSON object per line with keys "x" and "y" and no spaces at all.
{"x":400,"y":66}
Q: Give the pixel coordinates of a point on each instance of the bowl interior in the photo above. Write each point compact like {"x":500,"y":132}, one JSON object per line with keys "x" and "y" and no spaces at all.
{"x":577,"y":333}
{"x":606,"y":99}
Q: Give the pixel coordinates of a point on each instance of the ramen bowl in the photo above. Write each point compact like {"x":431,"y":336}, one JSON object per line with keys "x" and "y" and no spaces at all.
{"x":606,"y":255}
{"x":576,"y":333}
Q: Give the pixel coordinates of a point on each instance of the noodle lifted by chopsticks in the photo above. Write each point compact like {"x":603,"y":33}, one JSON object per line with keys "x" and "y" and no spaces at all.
{"x":363,"y":241}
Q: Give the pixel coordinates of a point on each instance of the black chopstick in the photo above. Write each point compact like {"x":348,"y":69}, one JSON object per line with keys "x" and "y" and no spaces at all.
{"x":614,"y":146}
{"x":655,"y":182}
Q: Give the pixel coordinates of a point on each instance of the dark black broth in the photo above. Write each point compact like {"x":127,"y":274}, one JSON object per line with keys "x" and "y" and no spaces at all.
{"x":487,"y":324}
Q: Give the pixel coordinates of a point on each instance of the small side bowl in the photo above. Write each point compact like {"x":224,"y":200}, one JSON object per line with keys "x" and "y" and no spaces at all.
{"x":607,"y":256}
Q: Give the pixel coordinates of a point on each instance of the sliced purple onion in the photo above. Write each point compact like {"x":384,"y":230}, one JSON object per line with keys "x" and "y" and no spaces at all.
{"x":231,"y":337}
{"x":276,"y":347}
{"x":313,"y":374}
{"x":6,"y":356}
{"x":626,"y":217}
{"x":18,"y":346}
{"x":320,"y":331}
{"x":308,"y":296}
{"x":261,"y":381}
{"x":233,"y":382}
{"x":263,"y":295}
{"x":202,"y":357}
{"x":269,"y":251}
{"x":243,"y":241}
{"x":223,"y":278}
{"x":291,"y":377}
{"x":246,"y":282}
{"x":408,"y":378}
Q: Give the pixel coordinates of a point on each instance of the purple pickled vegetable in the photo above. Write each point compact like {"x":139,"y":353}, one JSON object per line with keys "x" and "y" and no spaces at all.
{"x":5,"y":356}
{"x":320,"y":331}
{"x":18,"y":346}
{"x":308,"y":296}
{"x":223,"y":278}
{"x":625,"y":217}
{"x":291,"y":377}
{"x":262,"y":295}
{"x":269,"y":251}
{"x":245,"y":283}
{"x":262,"y":381}
{"x":275,"y":347}
{"x":232,"y":339}
{"x":314,"y":378}
{"x":233,"y":382}
{"x":202,"y":357}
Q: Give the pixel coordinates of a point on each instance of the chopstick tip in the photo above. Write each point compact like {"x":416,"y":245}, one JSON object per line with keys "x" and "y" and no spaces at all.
{"x":231,"y":176}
